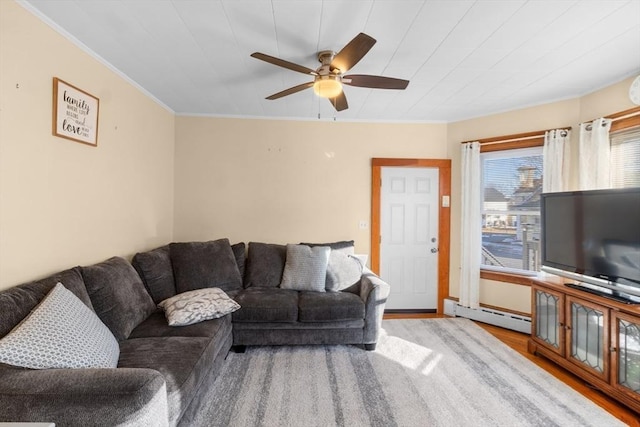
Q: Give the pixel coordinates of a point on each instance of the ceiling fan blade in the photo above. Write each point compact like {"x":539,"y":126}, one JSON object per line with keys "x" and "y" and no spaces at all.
{"x":353,"y":52}
{"x":290,"y":91}
{"x":375,"y":82}
{"x":282,"y":63}
{"x":339,"y":102}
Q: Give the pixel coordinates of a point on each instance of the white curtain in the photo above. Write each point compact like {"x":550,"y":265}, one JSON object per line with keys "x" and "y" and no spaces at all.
{"x":555,"y":158}
{"x":471,"y":233}
{"x":594,"y":150}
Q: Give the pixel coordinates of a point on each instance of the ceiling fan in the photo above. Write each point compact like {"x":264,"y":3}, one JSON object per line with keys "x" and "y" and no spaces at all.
{"x":329,"y":77}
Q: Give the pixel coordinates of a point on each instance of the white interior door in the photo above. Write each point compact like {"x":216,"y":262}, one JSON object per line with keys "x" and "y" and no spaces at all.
{"x":409,"y":236}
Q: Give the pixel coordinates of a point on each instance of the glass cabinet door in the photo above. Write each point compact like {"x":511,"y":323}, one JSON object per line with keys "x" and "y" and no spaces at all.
{"x":549,"y":319}
{"x":588,"y":336}
{"x":626,"y":345}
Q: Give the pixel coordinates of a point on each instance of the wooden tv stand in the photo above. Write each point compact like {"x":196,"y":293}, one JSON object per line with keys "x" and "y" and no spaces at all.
{"x":596,"y":338}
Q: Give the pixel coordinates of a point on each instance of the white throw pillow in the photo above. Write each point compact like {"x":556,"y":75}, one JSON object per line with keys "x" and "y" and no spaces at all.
{"x":61,"y":332}
{"x":195,"y":306}
{"x":343,"y":271}
{"x":305,"y":268}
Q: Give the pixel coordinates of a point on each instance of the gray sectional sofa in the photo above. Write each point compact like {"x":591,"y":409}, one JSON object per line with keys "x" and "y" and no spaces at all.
{"x":164,"y":371}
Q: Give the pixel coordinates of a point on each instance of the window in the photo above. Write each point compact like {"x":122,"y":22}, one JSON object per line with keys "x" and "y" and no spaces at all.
{"x":512,"y":185}
{"x":511,"y":168}
{"x":625,"y":158}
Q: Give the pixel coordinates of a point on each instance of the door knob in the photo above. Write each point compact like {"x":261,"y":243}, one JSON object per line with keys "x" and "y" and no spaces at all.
{"x":434,"y":250}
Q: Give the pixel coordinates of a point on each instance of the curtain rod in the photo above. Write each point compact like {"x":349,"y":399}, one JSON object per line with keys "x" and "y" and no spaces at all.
{"x":589,"y":126}
{"x":514,"y":137}
{"x":621,"y":115}
{"x":626,"y":115}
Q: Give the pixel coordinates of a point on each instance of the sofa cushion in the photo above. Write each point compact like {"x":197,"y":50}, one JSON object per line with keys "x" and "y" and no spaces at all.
{"x":184,"y":362}
{"x":17,"y":302}
{"x":198,"y":265}
{"x":239,"y":252}
{"x":154,"y":268}
{"x":266,"y":305}
{"x":61,"y":332}
{"x":265,"y":265}
{"x":343,"y":244}
{"x":305,"y":268}
{"x":329,"y":307}
{"x":118,"y":295}
{"x":343,"y":271}
{"x":195,"y":306}
{"x":156,"y":326}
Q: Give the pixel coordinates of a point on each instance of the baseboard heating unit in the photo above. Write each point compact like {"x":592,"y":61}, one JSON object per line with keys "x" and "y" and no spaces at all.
{"x":487,"y":315}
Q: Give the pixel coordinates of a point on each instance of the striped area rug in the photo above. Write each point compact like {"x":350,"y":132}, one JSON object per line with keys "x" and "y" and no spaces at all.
{"x":424,"y":372}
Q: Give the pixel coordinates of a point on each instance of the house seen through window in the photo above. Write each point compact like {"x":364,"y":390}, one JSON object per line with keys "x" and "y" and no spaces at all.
{"x":512,"y":185}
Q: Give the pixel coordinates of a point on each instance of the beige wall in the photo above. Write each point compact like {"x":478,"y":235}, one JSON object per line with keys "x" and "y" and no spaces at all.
{"x":64,"y":203}
{"x":604,"y":102}
{"x":285,"y":181}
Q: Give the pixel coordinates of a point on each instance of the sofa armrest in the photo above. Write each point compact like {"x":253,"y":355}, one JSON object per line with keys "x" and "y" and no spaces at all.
{"x":83,"y":397}
{"x":374,"y":292}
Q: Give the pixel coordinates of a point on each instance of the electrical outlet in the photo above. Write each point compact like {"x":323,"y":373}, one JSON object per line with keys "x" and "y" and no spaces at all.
{"x":363,"y":225}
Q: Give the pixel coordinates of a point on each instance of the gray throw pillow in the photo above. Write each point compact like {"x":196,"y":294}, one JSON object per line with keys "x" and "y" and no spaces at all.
{"x":198,"y":265}
{"x":61,"y":332}
{"x":265,"y":265}
{"x":118,"y":295}
{"x":196,"y":306}
{"x":344,"y":270}
{"x":305,"y":268}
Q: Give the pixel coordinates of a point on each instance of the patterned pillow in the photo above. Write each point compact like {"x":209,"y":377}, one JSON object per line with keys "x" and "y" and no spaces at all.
{"x":195,"y":306}
{"x":305,"y":268}
{"x":61,"y":332}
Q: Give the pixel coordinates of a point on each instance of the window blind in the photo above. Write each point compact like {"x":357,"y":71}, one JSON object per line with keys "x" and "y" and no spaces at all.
{"x":625,"y":158}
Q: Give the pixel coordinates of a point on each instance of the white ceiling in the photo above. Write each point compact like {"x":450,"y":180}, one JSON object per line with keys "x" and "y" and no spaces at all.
{"x":464,"y":58}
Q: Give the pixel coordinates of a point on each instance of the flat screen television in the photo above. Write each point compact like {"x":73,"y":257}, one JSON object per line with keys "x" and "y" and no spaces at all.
{"x":593,"y":237}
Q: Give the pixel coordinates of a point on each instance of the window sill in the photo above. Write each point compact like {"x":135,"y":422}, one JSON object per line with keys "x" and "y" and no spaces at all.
{"x":515,"y":279}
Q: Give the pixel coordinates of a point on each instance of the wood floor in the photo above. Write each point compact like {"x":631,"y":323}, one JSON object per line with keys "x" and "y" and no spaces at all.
{"x":518,"y":342}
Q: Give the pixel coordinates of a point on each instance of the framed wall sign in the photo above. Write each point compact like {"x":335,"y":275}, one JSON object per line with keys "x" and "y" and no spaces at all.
{"x":75,"y":113}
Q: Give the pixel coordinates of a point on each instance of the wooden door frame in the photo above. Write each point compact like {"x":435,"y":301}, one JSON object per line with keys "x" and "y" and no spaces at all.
{"x":444,"y":215}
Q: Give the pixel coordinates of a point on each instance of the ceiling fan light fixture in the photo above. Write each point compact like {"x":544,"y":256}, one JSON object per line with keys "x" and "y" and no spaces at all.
{"x":327,"y":86}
